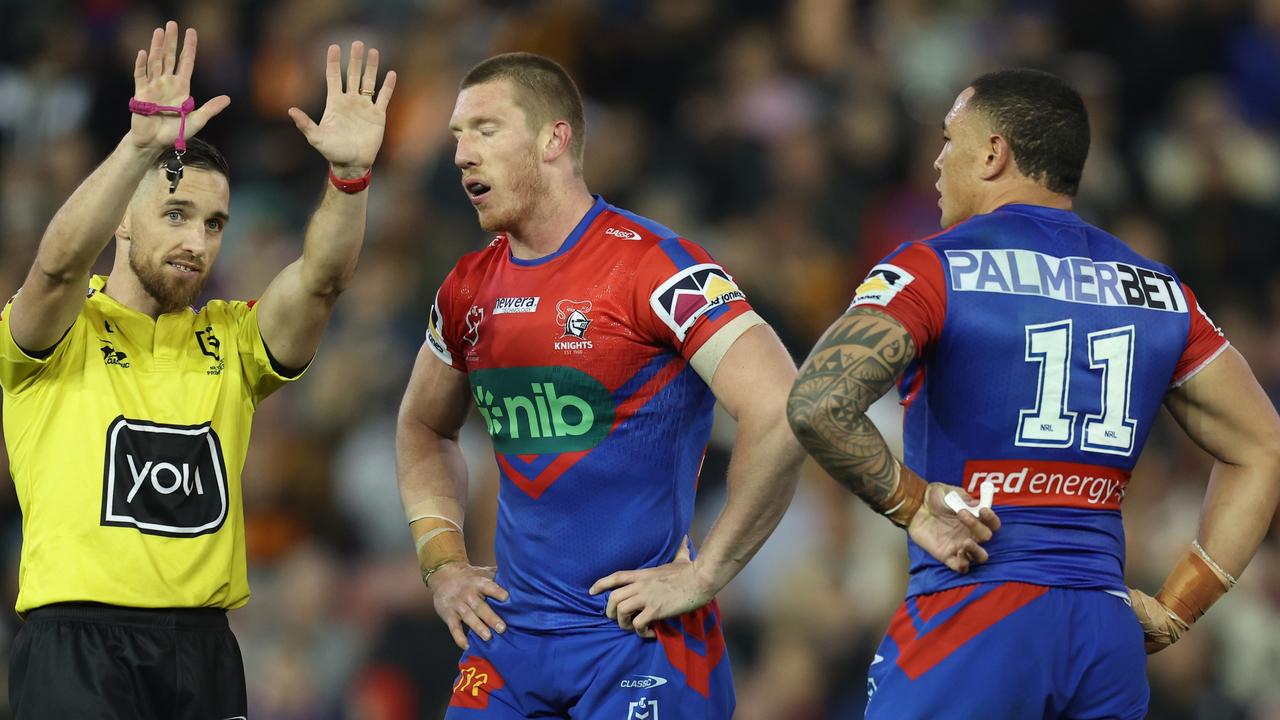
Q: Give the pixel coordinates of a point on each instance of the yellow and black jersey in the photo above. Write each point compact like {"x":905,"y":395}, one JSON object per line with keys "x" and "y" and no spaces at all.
{"x":126,"y":444}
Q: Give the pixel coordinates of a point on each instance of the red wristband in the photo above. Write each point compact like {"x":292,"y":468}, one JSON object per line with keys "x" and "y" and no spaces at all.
{"x":351,"y":186}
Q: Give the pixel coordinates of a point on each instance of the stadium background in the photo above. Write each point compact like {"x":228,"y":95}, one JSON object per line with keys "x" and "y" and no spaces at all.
{"x":795,"y":140}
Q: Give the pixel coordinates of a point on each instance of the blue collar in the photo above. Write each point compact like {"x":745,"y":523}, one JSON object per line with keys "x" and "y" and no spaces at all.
{"x":1040,"y":211}
{"x":578,"y":231}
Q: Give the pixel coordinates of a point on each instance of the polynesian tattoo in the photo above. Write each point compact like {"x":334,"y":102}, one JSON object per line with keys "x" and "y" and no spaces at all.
{"x":854,"y":364}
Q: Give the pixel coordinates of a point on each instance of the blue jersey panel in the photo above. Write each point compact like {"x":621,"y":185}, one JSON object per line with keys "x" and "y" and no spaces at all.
{"x":1058,"y":346}
{"x":559,"y":553}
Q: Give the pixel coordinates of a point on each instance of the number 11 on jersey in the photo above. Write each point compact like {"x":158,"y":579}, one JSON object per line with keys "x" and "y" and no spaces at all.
{"x":1050,"y":423}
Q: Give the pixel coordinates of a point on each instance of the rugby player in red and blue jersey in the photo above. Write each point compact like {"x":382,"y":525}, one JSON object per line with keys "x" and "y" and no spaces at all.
{"x":595,"y":344}
{"x":1034,"y":352}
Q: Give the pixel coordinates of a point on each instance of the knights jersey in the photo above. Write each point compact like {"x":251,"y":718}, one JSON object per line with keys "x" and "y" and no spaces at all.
{"x":1045,"y":347}
{"x":587,"y":367}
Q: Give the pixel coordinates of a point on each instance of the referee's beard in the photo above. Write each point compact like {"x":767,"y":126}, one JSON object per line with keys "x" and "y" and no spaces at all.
{"x":170,"y":293}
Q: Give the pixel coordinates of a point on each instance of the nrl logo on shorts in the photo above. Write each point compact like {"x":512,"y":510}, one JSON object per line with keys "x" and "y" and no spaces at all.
{"x":643,"y":709}
{"x":574,"y":321}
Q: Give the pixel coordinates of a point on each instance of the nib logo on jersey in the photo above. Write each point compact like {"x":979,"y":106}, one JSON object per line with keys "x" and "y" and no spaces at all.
{"x":164,"y":479}
{"x":573,"y":320}
{"x":537,"y":410}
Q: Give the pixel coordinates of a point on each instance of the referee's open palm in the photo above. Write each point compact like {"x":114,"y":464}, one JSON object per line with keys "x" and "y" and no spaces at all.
{"x":160,"y":76}
{"x":350,"y":131}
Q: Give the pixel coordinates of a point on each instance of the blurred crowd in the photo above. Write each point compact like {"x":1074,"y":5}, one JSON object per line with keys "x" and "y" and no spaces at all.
{"x":794,"y":139}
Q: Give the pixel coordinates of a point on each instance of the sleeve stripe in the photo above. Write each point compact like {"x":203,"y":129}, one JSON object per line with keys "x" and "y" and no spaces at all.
{"x":708,"y":357}
{"x":676,"y":252}
{"x":717,"y":313}
{"x":1178,"y":382}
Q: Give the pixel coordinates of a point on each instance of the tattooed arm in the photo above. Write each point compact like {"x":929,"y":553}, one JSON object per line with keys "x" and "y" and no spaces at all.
{"x":854,"y":364}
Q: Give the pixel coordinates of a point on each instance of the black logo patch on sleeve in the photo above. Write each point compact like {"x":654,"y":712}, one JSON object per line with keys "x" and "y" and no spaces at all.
{"x":165,"y":480}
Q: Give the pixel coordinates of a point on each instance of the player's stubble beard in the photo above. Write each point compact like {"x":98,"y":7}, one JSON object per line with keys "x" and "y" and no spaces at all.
{"x":169,"y":294}
{"x":527,"y":185}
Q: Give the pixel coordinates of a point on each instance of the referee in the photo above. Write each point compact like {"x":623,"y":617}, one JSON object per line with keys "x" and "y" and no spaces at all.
{"x":127,"y":412}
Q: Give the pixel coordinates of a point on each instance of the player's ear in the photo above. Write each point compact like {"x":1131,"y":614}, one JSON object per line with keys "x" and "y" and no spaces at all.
{"x":999,"y":157}
{"x":558,"y":141}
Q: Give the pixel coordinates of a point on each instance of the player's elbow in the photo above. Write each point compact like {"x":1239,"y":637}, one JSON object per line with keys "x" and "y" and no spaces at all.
{"x":802,"y":416}
{"x":1267,"y":451}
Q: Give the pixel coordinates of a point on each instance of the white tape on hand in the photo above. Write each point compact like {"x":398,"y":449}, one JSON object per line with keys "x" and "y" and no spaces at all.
{"x":987,"y":493}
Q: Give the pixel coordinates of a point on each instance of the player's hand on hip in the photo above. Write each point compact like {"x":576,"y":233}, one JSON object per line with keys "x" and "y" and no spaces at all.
{"x":163,"y":77}
{"x":460,"y":593}
{"x":1160,"y":626}
{"x":953,"y":538}
{"x":641,"y":597}
{"x":350,"y":131}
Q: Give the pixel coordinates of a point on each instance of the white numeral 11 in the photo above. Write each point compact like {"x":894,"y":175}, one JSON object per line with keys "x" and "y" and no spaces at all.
{"x":1050,"y":423}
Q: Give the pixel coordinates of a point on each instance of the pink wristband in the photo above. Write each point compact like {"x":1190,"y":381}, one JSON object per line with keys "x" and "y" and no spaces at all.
{"x":143,"y":107}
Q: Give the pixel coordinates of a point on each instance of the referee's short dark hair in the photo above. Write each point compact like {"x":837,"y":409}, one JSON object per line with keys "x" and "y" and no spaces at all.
{"x":200,"y":154}
{"x":544,"y":91}
{"x":1044,"y":120}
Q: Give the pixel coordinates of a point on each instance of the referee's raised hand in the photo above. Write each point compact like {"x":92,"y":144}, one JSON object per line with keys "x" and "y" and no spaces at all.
{"x":163,"y":77}
{"x":350,"y":131}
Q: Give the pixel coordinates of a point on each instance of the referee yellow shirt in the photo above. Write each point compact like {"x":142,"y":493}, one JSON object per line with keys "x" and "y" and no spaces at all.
{"x":126,"y":445}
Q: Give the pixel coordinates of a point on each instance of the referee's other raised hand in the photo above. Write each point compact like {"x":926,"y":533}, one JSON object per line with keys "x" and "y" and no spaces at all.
{"x":349,"y":133}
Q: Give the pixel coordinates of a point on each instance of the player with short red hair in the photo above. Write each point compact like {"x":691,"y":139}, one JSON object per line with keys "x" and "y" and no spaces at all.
{"x":595,"y":343}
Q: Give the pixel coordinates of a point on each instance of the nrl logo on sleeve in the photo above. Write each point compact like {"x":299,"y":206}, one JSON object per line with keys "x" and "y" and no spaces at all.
{"x":508,"y":305}
{"x":692,"y":293}
{"x":165,"y":480}
{"x":473,"y":319}
{"x":883,"y":283}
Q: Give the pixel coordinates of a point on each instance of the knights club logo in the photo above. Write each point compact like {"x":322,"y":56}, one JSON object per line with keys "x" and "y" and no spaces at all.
{"x":572,"y":316}
{"x":574,"y":320}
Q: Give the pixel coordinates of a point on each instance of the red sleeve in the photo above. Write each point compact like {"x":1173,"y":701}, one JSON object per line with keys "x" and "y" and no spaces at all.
{"x":684,"y":297}
{"x":446,"y":325}
{"x":909,"y":286}
{"x":1204,"y":342}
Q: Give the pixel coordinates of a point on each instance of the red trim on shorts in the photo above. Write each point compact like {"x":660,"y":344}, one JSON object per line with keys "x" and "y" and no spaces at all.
{"x":917,"y":654}
{"x":703,"y":625}
{"x":929,"y":606}
{"x":476,"y":681}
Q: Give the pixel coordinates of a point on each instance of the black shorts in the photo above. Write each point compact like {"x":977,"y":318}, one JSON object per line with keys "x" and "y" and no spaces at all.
{"x":83,"y":660}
